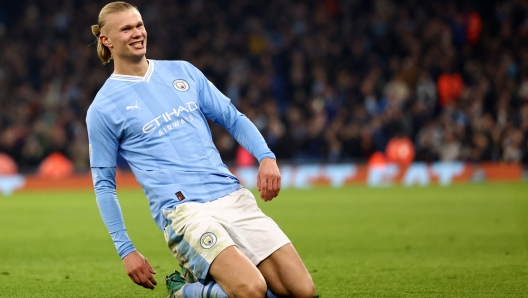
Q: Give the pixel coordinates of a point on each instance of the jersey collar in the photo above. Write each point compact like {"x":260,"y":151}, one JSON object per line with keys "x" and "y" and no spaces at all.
{"x":144,"y":78}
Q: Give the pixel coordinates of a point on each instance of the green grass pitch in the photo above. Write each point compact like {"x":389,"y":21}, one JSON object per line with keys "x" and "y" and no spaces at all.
{"x":458,"y":241}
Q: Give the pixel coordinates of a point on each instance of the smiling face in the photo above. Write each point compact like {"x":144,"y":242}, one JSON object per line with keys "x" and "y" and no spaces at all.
{"x":125,"y":35}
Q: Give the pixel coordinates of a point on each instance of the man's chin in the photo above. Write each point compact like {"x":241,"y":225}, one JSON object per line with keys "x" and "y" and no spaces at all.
{"x":136,"y":57}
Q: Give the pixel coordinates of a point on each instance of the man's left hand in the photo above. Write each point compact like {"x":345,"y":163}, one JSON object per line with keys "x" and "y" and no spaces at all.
{"x":268,"y":179}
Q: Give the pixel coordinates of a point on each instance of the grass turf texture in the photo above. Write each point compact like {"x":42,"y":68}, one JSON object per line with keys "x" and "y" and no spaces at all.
{"x":459,"y":241}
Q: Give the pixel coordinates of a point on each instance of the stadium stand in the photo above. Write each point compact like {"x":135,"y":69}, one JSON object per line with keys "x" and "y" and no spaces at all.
{"x":325,"y":81}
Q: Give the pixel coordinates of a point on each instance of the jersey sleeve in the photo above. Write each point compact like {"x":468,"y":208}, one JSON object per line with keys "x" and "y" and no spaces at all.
{"x":211,"y":101}
{"x":219,"y":109}
{"x":245,"y":132}
{"x":105,"y":194}
{"x":102,"y":137}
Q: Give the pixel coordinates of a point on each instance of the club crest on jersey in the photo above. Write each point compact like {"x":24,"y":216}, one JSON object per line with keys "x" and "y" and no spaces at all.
{"x":180,"y":85}
{"x":208,"y":240}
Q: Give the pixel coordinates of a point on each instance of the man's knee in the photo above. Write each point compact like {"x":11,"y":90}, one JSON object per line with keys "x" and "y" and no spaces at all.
{"x":304,"y":290}
{"x":308,"y":290}
{"x":249,"y":289}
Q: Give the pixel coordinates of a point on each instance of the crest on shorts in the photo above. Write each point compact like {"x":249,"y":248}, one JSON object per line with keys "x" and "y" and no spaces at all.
{"x":180,"y":85}
{"x":208,"y":240}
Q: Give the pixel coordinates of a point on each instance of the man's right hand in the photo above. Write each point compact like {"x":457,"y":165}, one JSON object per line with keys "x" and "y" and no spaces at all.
{"x":139,"y":270}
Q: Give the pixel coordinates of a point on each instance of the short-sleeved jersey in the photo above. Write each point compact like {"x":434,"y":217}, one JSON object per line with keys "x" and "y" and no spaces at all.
{"x":158,"y":124}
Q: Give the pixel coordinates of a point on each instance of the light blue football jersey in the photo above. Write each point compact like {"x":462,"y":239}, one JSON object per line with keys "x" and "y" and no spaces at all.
{"x":158,"y":124}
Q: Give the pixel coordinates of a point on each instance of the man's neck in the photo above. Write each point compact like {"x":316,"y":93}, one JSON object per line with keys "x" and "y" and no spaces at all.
{"x":131,"y":68}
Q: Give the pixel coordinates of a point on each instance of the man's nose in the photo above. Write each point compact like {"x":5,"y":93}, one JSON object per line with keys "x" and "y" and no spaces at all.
{"x":136,"y":32}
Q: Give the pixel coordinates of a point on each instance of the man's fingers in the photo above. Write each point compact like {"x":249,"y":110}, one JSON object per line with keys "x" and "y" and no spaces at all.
{"x":273,"y":187}
{"x":270,"y":185}
{"x":144,"y":281}
{"x":269,"y":189}
{"x":136,"y":278}
{"x":276,"y":187}
{"x":268,"y":179}
{"x":149,"y":267}
{"x":133,"y":278}
{"x":261,"y":185}
{"x":263,"y":191}
{"x":153,"y":281}
{"x":147,"y":271}
{"x":279,"y":184}
{"x":147,"y":282}
{"x":150,"y":277}
{"x":149,"y":274}
{"x":139,"y":270}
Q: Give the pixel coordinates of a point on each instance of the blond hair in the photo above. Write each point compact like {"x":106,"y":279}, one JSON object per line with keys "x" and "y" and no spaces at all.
{"x":103,"y":51}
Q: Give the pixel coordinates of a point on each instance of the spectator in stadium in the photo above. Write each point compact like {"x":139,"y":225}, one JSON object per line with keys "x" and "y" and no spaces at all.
{"x":211,"y":224}
{"x":287,"y":54}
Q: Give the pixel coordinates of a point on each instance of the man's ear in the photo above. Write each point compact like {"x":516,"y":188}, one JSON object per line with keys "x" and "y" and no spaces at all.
{"x":105,"y":40}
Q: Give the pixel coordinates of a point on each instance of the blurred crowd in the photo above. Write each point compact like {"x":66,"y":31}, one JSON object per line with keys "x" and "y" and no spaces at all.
{"x":324,"y":81}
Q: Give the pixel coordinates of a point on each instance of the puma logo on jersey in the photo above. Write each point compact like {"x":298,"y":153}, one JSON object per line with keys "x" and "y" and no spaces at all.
{"x":133,"y":107}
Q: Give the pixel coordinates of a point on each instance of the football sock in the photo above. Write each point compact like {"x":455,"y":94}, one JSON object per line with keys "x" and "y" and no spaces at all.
{"x":210,"y":290}
{"x":269,"y":294}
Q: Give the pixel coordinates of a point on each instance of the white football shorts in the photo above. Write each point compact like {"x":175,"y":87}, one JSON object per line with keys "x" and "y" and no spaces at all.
{"x":198,"y":232}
